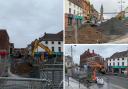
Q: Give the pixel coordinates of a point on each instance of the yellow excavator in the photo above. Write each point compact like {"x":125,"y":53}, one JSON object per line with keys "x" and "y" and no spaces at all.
{"x":29,"y":60}
{"x":34,"y":46}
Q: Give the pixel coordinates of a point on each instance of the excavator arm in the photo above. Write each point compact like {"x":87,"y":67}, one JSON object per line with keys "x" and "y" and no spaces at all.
{"x":37,"y":44}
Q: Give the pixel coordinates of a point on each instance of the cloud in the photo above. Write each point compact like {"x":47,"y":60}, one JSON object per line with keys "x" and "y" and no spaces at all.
{"x":104,"y":50}
{"x":26,"y":20}
{"x":109,"y":6}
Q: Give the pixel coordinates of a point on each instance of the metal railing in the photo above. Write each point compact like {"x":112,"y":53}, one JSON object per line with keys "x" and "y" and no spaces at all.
{"x":53,"y":72}
{"x":24,"y":83}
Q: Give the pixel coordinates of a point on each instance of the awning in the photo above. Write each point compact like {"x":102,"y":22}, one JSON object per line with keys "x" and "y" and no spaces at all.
{"x":119,"y":66}
{"x":4,"y":53}
{"x":78,"y":17}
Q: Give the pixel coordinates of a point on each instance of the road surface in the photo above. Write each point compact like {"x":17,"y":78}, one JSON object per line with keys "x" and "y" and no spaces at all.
{"x":111,"y":82}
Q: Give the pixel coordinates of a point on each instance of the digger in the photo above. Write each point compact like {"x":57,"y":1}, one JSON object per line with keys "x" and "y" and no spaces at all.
{"x":92,"y":69}
{"x":30,"y":62}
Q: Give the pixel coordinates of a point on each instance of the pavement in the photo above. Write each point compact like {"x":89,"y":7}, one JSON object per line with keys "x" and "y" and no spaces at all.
{"x":111,"y":82}
{"x":73,"y":84}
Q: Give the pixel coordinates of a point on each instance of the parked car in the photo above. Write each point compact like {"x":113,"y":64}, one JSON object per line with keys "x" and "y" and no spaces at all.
{"x":100,"y":81}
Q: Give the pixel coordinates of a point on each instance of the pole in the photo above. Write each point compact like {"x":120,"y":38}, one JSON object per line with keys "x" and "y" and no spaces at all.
{"x":76,"y":32}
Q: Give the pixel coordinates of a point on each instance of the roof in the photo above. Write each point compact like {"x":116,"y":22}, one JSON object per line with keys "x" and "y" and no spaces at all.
{"x":4,"y":39}
{"x":52,"y":37}
{"x":77,"y":2}
{"x":120,"y":54}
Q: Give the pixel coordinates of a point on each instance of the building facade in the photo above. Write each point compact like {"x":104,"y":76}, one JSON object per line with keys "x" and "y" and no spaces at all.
{"x":4,"y":44}
{"x":118,"y":63}
{"x":73,"y":13}
{"x":4,"y":52}
{"x":69,"y":65}
{"x":53,"y":41}
{"x":88,"y":56}
{"x":86,"y":9}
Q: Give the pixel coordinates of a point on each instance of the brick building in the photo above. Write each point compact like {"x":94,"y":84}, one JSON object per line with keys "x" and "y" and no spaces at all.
{"x":86,"y":9}
{"x":4,"y":52}
{"x":88,"y":56}
{"x":4,"y":44}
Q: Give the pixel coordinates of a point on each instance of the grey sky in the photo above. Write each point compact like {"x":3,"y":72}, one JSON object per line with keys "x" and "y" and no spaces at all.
{"x":104,"y":50}
{"x":109,"y":6}
{"x":26,"y":20}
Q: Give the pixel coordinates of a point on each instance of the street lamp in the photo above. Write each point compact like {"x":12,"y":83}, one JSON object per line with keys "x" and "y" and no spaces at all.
{"x":72,"y":56}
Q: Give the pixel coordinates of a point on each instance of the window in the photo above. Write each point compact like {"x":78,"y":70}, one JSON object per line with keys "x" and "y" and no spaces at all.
{"x":53,"y":49}
{"x":74,"y":12}
{"x":46,"y":42}
{"x":122,"y":58}
{"x":113,"y":63}
{"x":69,"y":21}
{"x":59,"y":49}
{"x":122,"y":63}
{"x":52,"y":42}
{"x":59,"y":42}
{"x":118,"y":63}
{"x":69,"y":10}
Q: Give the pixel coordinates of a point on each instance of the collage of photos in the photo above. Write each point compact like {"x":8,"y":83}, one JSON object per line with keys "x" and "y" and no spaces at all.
{"x":63,"y":44}
{"x":96,"y":44}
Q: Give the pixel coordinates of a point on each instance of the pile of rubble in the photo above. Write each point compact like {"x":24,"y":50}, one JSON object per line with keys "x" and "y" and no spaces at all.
{"x":86,"y":34}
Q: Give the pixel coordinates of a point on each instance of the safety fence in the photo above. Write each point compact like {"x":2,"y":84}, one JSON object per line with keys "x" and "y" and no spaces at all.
{"x":24,"y":83}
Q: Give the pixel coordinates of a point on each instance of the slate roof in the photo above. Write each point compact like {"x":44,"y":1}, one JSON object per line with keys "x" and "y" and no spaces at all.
{"x":120,"y":54}
{"x":52,"y":37}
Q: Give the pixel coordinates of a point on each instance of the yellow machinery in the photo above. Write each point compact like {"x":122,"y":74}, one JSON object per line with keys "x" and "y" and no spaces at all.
{"x":35,"y":44}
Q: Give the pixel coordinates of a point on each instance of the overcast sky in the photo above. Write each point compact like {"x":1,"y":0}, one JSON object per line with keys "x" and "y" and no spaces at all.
{"x":109,"y":6}
{"x":26,"y":20}
{"x":104,"y":50}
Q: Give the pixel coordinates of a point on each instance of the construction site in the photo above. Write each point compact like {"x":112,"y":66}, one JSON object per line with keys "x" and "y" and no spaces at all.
{"x":109,"y":31}
{"x":29,"y":68}
{"x":95,"y":25}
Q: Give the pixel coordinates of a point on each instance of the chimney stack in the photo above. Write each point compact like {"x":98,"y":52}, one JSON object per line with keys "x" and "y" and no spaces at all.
{"x":88,"y":50}
{"x":93,"y":51}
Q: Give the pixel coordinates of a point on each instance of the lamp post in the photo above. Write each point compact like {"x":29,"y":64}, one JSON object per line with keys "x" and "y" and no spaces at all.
{"x":72,"y":56}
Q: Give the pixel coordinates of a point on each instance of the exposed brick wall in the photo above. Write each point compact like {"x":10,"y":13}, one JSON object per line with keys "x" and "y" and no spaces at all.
{"x":4,"y":40}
